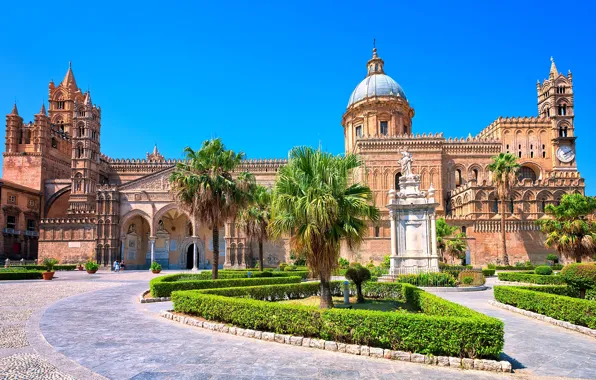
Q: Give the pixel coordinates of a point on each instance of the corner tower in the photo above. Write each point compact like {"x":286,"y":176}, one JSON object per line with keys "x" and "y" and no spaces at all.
{"x":555,"y":102}
{"x":377,"y":108}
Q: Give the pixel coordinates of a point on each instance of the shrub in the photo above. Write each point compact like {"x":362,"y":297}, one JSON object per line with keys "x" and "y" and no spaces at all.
{"x":544,"y":270}
{"x":358,"y":274}
{"x":227,"y":274}
{"x":49,"y":263}
{"x":155,"y":266}
{"x":343,"y":263}
{"x":468,"y":280}
{"x":445,"y":328}
{"x":428,"y":279}
{"x":580,"y":276}
{"x":532,"y":278}
{"x":453,"y":270}
{"x":91,"y":265}
{"x":163,"y":286}
{"x":516,"y":267}
{"x":20,"y":274}
{"x":263,"y":274}
{"x":56,"y":267}
{"x":289,"y":268}
{"x":557,"y":266}
{"x":552,"y":257}
{"x":547,"y":302}
{"x":488,"y":272}
{"x":282,"y":266}
{"x":477,"y":278}
{"x":491,"y":266}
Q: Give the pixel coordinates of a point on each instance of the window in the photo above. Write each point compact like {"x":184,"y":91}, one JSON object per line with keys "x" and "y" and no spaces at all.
{"x":463,"y":229}
{"x":519,"y":154}
{"x":377,"y":231}
{"x":54,"y":143}
{"x":82,"y":113}
{"x":12,"y":199}
{"x":359,"y":131}
{"x":563,"y":110}
{"x":496,"y":206}
{"x":541,"y":205}
{"x":526,"y":172}
{"x":60,"y":105}
{"x":81,"y":131}
{"x":511,"y":204}
{"x":384,"y":129}
{"x":548,"y":112}
{"x":30,"y":225}
{"x":543,"y":154}
{"x":397,"y":176}
{"x":11,"y":221}
{"x":475,"y":172}
{"x":458,"y":179}
{"x":507,"y":148}
{"x":80,"y":151}
{"x":531,"y":154}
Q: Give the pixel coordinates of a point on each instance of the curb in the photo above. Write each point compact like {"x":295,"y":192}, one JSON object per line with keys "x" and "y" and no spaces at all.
{"x":142,"y":298}
{"x":544,"y":318}
{"x":454,"y":289}
{"x":354,"y":349}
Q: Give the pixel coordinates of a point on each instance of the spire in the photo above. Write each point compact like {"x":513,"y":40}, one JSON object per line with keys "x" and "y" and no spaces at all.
{"x":375,"y":64}
{"x":88,"y":98}
{"x":42,"y":111}
{"x":15,"y":111}
{"x":69,"y":79}
{"x":553,"y":68}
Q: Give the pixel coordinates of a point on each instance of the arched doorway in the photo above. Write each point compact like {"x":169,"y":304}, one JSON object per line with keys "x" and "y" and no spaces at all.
{"x":190,"y":256}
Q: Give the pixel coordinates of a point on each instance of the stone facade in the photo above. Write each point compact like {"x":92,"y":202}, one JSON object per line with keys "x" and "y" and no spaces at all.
{"x":92,"y":205}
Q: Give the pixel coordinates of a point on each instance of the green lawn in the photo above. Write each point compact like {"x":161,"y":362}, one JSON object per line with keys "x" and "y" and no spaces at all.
{"x":369,"y":304}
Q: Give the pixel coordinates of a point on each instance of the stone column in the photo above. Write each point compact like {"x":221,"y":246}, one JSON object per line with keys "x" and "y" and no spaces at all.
{"x":152,"y":244}
{"x":393,"y":216}
{"x":195,"y":255}
{"x":433,"y":234}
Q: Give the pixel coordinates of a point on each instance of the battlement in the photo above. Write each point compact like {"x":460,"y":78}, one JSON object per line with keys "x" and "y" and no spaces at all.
{"x":515,"y":122}
{"x":64,"y":221}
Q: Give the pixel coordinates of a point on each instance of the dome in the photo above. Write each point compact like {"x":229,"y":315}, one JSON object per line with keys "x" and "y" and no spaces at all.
{"x":376,"y":85}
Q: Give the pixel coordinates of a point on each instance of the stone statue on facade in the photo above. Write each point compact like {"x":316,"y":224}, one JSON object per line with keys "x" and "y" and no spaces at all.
{"x":406,"y":163}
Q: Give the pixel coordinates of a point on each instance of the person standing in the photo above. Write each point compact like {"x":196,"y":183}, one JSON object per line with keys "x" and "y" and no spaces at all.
{"x":116,"y":266}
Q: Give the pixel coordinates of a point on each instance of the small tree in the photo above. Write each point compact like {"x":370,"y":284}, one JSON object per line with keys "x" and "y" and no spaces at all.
{"x":358,"y":275}
{"x":448,"y":241}
{"x":569,"y":229}
{"x":254,"y":218}
{"x":580,"y":276}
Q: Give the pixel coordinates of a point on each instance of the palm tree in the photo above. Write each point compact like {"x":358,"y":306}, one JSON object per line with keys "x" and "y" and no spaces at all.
{"x":504,"y":170}
{"x":569,"y":229}
{"x":449,"y":240}
{"x":315,"y":203}
{"x":254,"y":219}
{"x":203,"y":185}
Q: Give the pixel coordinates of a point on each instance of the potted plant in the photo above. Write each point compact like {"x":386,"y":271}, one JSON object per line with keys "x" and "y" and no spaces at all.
{"x":80,"y":267}
{"x":91,"y":267}
{"x":49,"y":263}
{"x":155,"y":267}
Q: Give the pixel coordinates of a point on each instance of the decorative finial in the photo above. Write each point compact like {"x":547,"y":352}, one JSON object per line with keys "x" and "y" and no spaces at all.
{"x":70,"y":64}
{"x":15,"y":111}
{"x":552,"y":59}
{"x":374,"y":43}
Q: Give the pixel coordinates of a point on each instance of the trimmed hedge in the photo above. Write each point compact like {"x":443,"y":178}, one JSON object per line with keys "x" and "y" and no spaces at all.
{"x":20,"y":275}
{"x":530,"y":278}
{"x":42,"y":267}
{"x":163,"y":286}
{"x":544,"y":270}
{"x":513,"y":267}
{"x":428,"y":279}
{"x":238,"y":273}
{"x":488,"y":272}
{"x":443,"y":328}
{"x":549,"y":301}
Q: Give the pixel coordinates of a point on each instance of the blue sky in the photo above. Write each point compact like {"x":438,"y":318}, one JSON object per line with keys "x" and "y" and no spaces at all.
{"x":269,"y":76}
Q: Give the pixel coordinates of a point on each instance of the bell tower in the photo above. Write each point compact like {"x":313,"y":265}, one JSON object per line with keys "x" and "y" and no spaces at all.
{"x":85,"y":156}
{"x":555,"y":102}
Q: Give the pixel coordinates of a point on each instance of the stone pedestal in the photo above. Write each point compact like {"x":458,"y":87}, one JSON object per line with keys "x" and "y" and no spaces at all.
{"x":413,"y":229}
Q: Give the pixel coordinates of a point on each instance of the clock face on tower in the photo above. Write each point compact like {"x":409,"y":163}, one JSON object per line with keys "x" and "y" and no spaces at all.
{"x":565,"y":154}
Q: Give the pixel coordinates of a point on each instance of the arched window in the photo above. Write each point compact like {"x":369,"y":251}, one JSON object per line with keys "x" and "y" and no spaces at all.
{"x":475,"y":174}
{"x":511,"y":205}
{"x":541,"y":205}
{"x":496,"y":206}
{"x":463,"y":229}
{"x":81,"y":130}
{"x":458,"y":180}
{"x":397,"y":177}
{"x":377,"y":231}
{"x":80,"y":151}
{"x":54,"y":143}
{"x":527,"y":172}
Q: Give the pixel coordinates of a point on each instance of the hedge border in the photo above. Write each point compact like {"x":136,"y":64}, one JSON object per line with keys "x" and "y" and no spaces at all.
{"x":528,"y":278}
{"x":20,"y":275}
{"x":163,"y":286}
{"x":445,"y":328}
{"x":550,"y":301}
{"x":544,"y":318}
{"x":353,"y":349}
{"x":488,"y":272}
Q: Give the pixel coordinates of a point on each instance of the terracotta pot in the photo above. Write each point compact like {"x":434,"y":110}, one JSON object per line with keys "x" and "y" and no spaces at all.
{"x":80,"y":268}
{"x":47,"y":275}
{"x":92,"y":271}
{"x":155,"y":271}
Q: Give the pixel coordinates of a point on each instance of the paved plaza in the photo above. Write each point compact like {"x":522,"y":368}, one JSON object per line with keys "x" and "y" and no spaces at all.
{"x":83,"y":327}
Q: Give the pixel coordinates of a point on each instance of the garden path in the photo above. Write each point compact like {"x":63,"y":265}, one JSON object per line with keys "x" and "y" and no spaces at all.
{"x":535,"y":347}
{"x":109,"y":332}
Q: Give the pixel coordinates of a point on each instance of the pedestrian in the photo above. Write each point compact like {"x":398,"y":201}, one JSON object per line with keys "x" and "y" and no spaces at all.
{"x":122,"y":266}
{"x":116,"y":266}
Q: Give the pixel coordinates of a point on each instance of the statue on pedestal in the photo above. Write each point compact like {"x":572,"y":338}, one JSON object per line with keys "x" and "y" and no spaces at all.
{"x":406,"y":164}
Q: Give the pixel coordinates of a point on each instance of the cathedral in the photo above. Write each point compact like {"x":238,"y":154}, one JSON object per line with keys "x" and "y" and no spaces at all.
{"x":61,"y":197}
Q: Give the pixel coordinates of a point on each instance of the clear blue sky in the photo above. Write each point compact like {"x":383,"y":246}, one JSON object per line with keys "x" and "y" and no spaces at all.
{"x":269,"y":76}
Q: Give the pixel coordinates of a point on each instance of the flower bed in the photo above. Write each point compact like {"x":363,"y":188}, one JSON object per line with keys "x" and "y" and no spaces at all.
{"x":440,"y":328}
{"x":15,"y":274}
{"x":163,"y":286}
{"x":530,"y":278}
{"x":557,"y":302}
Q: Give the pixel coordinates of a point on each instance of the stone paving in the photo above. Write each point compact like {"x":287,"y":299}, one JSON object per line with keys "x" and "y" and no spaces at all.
{"x":535,"y":347}
{"x":86,"y":327}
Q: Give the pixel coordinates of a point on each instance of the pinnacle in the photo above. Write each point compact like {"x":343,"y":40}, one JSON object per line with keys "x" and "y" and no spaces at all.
{"x":553,"y":67}
{"x":15,"y":111}
{"x":43,"y":109}
{"x":69,"y":79}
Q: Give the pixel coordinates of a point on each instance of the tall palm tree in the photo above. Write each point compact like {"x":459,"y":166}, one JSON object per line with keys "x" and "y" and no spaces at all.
{"x":203,"y":185}
{"x":315,"y":203}
{"x":254,"y":219}
{"x":570,"y":229}
{"x":504,"y":170}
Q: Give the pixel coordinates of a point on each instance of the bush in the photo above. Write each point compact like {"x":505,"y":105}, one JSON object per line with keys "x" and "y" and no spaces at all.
{"x":155,"y":266}
{"x":544,"y":301}
{"x":444,"y":328}
{"x":163,"y":286}
{"x":531,"y":278}
{"x":227,"y":274}
{"x":41,"y":267}
{"x":343,"y":263}
{"x":427,"y":279}
{"x":580,"y":276}
{"x":491,"y":266}
{"x":91,"y":265}
{"x":477,"y":278}
{"x":282,"y":266}
{"x":289,"y":268}
{"x":488,"y":272}
{"x":557,"y":266}
{"x":544,"y":270}
{"x":20,"y":274}
{"x":552,"y":257}
{"x":49,"y":263}
{"x":511,"y":267}
{"x":453,"y":270}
